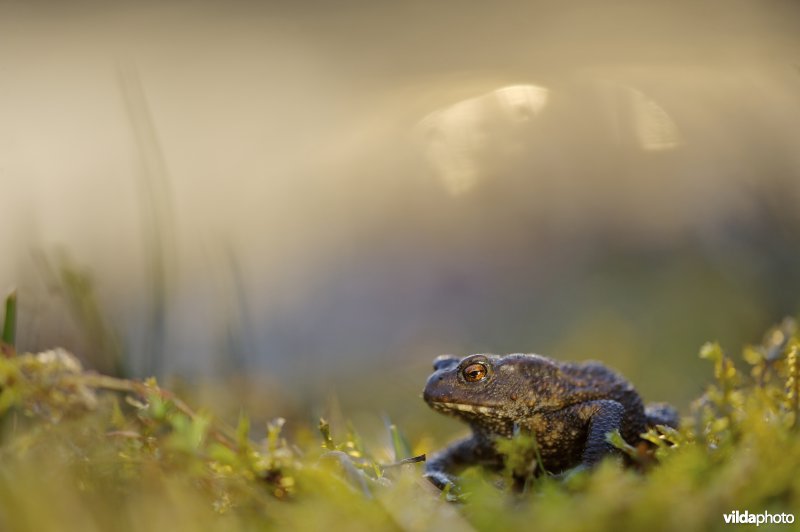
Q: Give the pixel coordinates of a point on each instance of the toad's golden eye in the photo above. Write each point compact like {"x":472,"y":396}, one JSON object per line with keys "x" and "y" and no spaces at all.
{"x":474,"y":372}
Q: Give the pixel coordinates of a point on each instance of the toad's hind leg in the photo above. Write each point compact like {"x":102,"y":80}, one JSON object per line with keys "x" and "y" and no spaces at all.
{"x":604,"y":416}
{"x":661,"y":414}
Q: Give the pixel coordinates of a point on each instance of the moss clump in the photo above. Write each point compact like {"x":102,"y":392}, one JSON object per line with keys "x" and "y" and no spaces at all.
{"x":86,"y":451}
{"x":106,"y":439}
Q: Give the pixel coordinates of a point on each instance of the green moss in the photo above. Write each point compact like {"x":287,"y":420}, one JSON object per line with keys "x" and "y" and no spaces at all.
{"x":86,"y":451}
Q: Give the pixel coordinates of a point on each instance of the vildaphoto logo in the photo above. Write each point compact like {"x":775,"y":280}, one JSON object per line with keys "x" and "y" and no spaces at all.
{"x":746,"y":518}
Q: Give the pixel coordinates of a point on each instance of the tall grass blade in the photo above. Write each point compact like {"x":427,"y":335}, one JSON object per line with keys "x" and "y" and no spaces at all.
{"x":156,"y":214}
{"x":10,"y":320}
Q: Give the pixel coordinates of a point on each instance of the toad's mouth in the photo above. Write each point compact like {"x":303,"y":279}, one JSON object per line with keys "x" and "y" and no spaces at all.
{"x":460,"y":407}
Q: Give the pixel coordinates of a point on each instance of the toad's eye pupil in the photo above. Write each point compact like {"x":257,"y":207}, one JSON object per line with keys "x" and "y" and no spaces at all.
{"x":474,"y":372}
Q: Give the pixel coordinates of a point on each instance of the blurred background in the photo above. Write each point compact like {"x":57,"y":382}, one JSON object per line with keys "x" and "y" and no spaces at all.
{"x":301,"y":204}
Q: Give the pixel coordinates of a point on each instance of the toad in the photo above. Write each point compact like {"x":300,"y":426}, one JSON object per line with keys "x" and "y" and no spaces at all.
{"x":569,"y":409}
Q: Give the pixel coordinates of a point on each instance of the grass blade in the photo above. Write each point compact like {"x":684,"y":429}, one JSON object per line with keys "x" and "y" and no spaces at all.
{"x":10,"y":320}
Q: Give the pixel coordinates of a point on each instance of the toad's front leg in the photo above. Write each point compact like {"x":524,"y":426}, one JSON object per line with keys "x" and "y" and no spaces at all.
{"x":441,"y":468}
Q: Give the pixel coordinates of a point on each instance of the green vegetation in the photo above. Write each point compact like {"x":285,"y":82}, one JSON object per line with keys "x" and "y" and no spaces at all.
{"x":81,"y":450}
{"x":75,"y":287}
{"x":10,"y":321}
